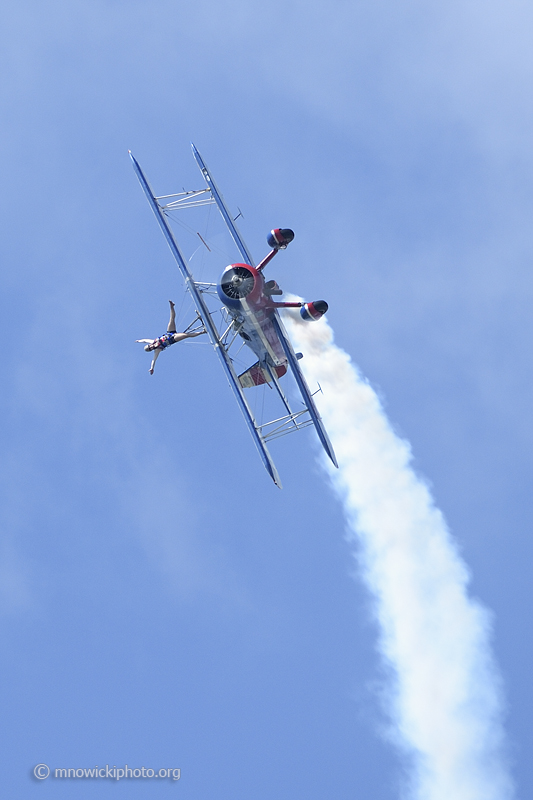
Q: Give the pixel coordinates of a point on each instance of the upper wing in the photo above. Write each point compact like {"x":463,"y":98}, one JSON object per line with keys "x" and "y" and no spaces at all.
{"x":203,"y":310}
{"x":219,"y":200}
{"x":303,"y":387}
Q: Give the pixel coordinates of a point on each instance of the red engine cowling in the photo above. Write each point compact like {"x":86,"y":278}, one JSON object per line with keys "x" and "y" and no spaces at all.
{"x":239,"y":281}
{"x":313,"y":311}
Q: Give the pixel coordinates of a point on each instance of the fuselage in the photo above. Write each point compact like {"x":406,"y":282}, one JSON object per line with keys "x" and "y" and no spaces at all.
{"x":241,"y":289}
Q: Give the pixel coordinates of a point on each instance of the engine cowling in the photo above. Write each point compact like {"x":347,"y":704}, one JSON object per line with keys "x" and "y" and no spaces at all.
{"x":313,"y":311}
{"x":239,"y":281}
{"x":279,"y":238}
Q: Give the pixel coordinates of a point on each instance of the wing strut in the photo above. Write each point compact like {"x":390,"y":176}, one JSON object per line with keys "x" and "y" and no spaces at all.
{"x":204,"y":313}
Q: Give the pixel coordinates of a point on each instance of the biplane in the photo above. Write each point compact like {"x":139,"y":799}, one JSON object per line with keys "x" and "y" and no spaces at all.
{"x":250,"y":316}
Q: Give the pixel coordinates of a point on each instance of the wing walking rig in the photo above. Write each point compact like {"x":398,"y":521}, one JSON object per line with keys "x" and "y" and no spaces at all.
{"x":252,"y":318}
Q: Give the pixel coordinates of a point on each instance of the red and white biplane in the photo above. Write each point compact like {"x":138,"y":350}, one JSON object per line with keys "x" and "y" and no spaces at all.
{"x":249,"y":316}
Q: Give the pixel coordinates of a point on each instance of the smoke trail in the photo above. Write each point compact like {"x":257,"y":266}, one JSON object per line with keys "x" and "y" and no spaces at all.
{"x":443,"y":700}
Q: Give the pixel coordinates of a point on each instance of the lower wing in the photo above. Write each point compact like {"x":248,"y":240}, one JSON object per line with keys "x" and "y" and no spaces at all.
{"x":303,"y":387}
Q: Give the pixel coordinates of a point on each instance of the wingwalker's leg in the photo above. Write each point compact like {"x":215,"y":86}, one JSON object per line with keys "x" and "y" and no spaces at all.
{"x":179,"y":337}
{"x":171,"y":327}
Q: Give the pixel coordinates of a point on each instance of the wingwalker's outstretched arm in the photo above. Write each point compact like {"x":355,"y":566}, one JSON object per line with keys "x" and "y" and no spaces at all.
{"x":156,"y":356}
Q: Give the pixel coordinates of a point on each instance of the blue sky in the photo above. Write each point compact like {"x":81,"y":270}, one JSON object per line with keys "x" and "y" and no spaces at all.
{"x":162,"y":602}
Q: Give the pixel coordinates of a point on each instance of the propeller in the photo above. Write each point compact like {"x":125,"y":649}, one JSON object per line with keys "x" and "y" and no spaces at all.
{"x":238,"y":282}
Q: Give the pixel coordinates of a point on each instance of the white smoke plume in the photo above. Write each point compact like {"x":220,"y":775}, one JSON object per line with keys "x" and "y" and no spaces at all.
{"x":443,"y":700}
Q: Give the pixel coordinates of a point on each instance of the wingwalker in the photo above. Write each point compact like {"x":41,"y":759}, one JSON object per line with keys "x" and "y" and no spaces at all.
{"x":250,"y":315}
